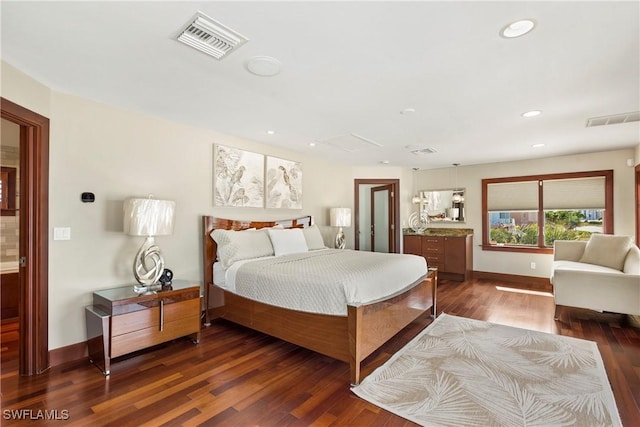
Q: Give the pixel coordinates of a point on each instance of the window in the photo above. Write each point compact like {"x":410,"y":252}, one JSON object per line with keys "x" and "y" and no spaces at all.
{"x":529,"y":213}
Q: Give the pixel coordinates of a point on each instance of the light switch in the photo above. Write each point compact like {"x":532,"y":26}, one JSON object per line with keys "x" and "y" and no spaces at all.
{"x":62,"y":233}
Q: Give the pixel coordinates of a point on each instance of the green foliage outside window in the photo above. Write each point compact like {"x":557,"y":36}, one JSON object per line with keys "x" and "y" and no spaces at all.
{"x":559,"y":225}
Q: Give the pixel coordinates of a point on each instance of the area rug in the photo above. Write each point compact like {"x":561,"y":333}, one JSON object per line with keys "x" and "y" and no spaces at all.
{"x":464,"y":372}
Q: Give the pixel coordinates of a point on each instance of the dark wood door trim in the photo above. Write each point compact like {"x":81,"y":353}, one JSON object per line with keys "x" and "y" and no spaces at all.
{"x":396,"y":209}
{"x":34,"y":236}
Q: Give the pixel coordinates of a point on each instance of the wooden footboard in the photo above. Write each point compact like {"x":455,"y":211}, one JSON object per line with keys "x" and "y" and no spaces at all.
{"x":372,"y":325}
{"x":349,"y":339}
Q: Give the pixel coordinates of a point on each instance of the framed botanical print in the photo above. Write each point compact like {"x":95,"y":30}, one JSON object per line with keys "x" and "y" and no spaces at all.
{"x":238,"y":177}
{"x":283,"y":183}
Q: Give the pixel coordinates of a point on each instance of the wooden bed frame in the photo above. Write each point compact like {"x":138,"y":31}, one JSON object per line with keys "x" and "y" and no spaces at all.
{"x":348,"y":338}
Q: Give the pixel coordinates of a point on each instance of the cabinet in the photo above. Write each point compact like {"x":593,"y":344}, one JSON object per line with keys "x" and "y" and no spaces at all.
{"x":452,"y":255}
{"x":120,"y":321}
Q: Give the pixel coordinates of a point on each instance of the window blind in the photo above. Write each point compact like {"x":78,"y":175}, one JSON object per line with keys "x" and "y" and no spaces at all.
{"x":512,"y":196}
{"x":575,"y":193}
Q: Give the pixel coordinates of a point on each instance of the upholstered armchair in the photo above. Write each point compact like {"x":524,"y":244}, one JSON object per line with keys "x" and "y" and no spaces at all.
{"x":601,"y":274}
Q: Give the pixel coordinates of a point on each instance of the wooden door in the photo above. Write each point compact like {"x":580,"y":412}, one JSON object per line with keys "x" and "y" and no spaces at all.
{"x":34,"y":236}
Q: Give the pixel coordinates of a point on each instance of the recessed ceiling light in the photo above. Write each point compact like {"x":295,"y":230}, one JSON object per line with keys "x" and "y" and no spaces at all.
{"x":264,"y":66}
{"x":385,"y":162}
{"x":537,"y":145}
{"x":312,"y":144}
{"x":532,"y":113}
{"x":518,"y":28}
{"x":408,"y":111}
{"x":271,"y":132}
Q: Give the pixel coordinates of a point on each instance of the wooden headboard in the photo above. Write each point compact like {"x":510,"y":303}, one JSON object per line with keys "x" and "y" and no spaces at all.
{"x":210,"y":247}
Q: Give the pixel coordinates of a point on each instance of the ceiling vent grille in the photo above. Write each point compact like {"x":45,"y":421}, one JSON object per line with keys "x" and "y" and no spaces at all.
{"x":424,"y":151}
{"x":352,"y":143}
{"x":211,"y":37}
{"x":614,"y":120}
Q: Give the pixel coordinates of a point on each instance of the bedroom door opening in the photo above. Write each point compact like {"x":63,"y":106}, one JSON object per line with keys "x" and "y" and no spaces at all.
{"x":365,"y":217}
{"x":10,"y":237}
{"x":32,"y":204}
{"x":382,"y":218}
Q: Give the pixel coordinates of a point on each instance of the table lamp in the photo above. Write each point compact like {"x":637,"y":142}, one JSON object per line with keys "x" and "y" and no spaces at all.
{"x":340,"y":217}
{"x":148,"y":217}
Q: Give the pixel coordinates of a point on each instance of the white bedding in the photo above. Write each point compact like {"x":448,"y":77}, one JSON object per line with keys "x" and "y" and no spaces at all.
{"x":324,"y":281}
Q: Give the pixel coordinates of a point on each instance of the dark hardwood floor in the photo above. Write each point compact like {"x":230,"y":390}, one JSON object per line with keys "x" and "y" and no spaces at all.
{"x":237,"y":377}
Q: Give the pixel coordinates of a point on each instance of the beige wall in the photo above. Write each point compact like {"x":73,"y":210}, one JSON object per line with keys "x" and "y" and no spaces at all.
{"x":470,"y":177}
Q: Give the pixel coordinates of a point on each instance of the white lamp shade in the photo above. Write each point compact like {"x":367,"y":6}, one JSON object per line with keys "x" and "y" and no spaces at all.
{"x":148,"y":217}
{"x":340,"y":217}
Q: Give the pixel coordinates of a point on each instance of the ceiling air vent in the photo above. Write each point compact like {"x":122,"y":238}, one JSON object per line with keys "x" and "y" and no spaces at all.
{"x":352,"y":143}
{"x":211,"y":37}
{"x":614,"y":120}
{"x":423,"y":151}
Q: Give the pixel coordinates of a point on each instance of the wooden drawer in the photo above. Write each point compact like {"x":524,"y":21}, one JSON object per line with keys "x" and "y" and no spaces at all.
{"x":150,"y":318}
{"x":142,"y":329}
{"x":146,"y":302}
{"x":434,"y":258}
{"x":143,"y":338}
{"x":432,"y":244}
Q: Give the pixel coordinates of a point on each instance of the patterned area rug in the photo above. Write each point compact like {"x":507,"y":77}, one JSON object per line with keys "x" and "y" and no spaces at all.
{"x":464,"y":372}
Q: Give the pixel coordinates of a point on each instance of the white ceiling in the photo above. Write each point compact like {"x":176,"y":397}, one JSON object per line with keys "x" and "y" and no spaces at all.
{"x":352,"y":67}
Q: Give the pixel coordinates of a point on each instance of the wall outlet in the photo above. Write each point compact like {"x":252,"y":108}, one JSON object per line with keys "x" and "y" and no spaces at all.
{"x":533,"y":265}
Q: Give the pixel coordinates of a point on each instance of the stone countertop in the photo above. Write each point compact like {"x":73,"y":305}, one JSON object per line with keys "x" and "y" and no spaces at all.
{"x":439,"y":232}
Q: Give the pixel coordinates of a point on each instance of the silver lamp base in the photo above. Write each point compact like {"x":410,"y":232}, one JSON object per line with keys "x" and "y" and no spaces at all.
{"x":148,"y":264}
{"x":340,"y":242}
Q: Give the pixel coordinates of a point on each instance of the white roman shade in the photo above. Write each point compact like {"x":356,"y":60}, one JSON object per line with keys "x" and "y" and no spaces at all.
{"x":576,"y":193}
{"x":512,"y":196}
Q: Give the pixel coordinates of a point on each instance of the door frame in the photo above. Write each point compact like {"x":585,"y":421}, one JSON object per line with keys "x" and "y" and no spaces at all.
{"x":396,"y":208}
{"x":391,"y":199}
{"x":34,"y":236}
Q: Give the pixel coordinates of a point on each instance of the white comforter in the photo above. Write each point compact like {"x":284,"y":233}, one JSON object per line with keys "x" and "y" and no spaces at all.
{"x":324,"y":281}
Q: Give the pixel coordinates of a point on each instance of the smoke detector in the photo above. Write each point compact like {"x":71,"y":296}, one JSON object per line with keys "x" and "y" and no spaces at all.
{"x":210,"y":36}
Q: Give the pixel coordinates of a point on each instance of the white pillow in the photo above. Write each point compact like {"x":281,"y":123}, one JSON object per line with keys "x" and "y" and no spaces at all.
{"x":238,"y":245}
{"x":313,"y":237}
{"x":607,"y":250}
{"x":288,"y":241}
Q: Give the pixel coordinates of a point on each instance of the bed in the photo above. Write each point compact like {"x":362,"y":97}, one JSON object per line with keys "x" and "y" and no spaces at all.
{"x":350,"y":335}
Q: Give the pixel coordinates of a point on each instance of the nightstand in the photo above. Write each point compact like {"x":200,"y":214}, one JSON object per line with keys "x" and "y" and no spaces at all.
{"x":121,"y":322}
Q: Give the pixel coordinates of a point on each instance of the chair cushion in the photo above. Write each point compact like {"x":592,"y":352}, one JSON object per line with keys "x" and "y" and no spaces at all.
{"x":583,"y":267}
{"x":607,"y":250}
